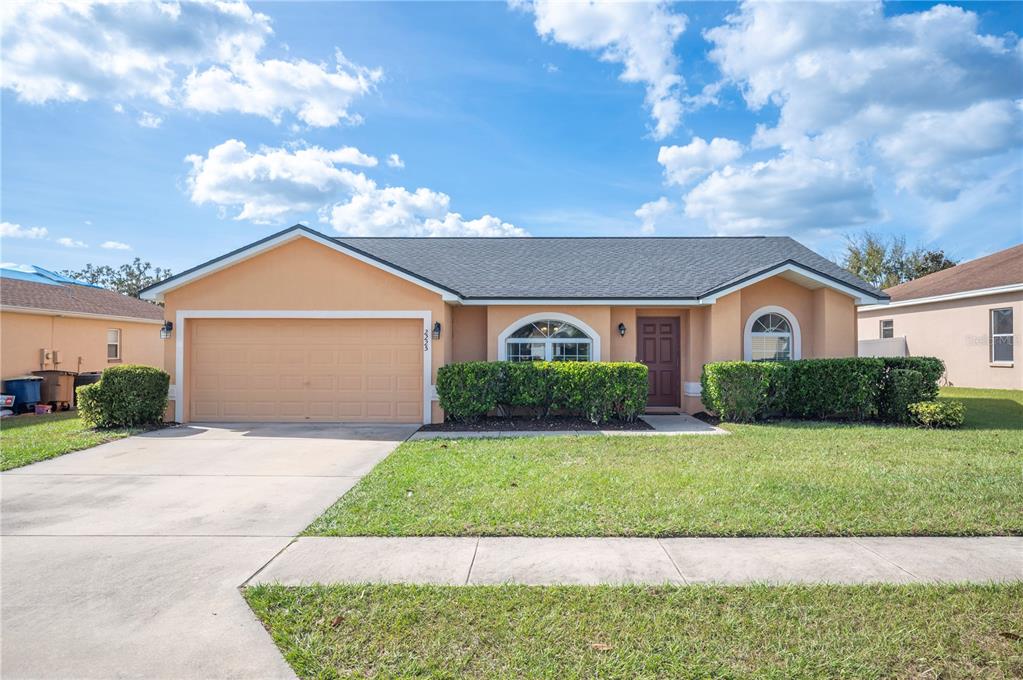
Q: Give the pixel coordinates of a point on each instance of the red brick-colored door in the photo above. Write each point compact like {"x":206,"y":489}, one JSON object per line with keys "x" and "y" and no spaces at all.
{"x":658,"y":346}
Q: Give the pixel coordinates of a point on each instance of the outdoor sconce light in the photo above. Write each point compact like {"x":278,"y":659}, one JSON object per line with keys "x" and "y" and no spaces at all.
{"x":165,"y":330}
{"x":436,"y":330}
{"x":621,"y":329}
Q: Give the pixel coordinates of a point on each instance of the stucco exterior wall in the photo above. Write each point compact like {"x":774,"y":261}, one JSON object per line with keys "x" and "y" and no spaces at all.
{"x":958,"y":332}
{"x":23,"y":335}
{"x":469,"y":333}
{"x":303,"y":275}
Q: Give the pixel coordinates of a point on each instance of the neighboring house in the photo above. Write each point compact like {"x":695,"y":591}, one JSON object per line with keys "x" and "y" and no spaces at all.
{"x":303,"y":326}
{"x":49,"y":321}
{"x":968,"y":315}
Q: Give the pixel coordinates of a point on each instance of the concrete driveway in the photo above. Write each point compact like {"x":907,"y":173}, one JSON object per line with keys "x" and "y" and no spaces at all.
{"x":124,"y":560}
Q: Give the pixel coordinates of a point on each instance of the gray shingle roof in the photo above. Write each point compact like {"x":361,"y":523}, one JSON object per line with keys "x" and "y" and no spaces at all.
{"x":596,"y":267}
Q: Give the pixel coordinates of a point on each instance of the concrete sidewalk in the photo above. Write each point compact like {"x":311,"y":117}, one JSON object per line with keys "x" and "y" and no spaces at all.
{"x":669,"y":425}
{"x":591,"y":561}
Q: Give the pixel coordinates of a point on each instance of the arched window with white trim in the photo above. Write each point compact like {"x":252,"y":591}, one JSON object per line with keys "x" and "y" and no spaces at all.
{"x":547,"y":340}
{"x":772,"y":334}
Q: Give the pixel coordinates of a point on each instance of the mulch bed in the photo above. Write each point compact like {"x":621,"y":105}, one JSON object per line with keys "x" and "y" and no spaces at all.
{"x":495,"y":424}
{"x":707,"y":418}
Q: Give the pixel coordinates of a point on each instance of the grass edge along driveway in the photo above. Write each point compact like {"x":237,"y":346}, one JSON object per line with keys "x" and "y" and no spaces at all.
{"x":634,"y":632}
{"x":780,"y":479}
{"x":29,"y":439}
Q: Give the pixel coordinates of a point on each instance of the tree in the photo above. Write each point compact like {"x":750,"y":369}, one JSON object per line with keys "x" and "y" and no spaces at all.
{"x":128,"y":279}
{"x":887,"y":262}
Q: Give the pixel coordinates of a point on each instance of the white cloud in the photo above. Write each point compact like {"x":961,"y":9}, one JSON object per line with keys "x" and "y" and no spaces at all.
{"x":27,"y":268}
{"x":11,"y":230}
{"x":64,"y":51}
{"x":652,"y":212}
{"x":71,"y":243}
{"x":916,"y":94}
{"x":274,"y":184}
{"x":685,"y":164}
{"x":150,"y":120}
{"x":115,"y":245}
{"x":317,"y":96}
{"x":394,"y":160}
{"x":638,"y":35}
{"x":199,"y":55}
{"x":395,"y":211}
{"x":788,"y":194}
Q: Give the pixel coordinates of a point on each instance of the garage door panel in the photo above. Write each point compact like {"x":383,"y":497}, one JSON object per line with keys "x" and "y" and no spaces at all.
{"x":306,"y":369}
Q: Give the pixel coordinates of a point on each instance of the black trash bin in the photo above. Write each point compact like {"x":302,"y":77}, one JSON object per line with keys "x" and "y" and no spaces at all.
{"x":87,"y":378}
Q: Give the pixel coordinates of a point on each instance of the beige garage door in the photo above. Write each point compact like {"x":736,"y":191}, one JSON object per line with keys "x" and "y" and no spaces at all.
{"x":368,"y":370}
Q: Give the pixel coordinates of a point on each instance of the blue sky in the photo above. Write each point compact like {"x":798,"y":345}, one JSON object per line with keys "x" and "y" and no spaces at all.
{"x":176,"y":133}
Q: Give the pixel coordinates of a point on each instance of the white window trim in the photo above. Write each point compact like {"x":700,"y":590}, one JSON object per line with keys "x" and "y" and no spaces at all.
{"x":120,"y":351}
{"x":880,"y":328}
{"x":1012,"y":336}
{"x":502,"y":339}
{"x":181,"y":333}
{"x":747,"y":336}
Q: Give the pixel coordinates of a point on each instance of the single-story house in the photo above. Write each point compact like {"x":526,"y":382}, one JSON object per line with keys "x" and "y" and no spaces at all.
{"x":304,"y":326}
{"x":50,"y":321}
{"x":967,"y":315}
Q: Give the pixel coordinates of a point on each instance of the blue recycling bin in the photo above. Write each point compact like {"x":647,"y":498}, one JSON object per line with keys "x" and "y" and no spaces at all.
{"x":25,"y":390}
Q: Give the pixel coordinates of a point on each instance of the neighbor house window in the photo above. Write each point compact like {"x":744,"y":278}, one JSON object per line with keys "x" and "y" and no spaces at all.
{"x":887,"y":328}
{"x":771,"y":338}
{"x":548,"y":340}
{"x":1001,"y":335}
{"x":113,"y":344}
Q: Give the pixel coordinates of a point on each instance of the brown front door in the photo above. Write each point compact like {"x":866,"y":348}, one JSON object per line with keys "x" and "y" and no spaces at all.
{"x":658,"y":347}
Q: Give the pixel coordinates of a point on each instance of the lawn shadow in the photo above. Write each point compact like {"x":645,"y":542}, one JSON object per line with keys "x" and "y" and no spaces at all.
{"x":988,"y":413}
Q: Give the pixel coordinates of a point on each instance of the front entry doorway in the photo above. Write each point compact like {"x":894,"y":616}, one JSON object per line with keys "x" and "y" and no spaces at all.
{"x":659,"y":348}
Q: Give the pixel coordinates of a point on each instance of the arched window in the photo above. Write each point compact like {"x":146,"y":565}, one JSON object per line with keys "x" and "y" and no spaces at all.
{"x":772,"y":334}
{"x":548,"y":340}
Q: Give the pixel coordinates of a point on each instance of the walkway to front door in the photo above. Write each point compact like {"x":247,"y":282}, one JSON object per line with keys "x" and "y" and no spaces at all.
{"x":659,"y":348}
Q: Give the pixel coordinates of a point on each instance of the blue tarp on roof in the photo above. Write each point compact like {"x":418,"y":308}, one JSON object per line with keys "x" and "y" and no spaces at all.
{"x":40,"y":275}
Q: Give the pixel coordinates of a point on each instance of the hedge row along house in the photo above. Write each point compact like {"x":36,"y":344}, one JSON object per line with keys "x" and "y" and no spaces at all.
{"x":49,"y":321}
{"x":303,"y":326}
{"x":967,"y":315}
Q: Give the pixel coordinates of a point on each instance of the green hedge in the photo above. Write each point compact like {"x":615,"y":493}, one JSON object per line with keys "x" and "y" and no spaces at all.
{"x":598,"y":391}
{"x":852,"y":388}
{"x":126,"y":395}
{"x":744,"y":391}
{"x":833,"y":388}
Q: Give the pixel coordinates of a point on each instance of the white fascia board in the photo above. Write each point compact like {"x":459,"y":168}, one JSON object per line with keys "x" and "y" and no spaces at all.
{"x":979,"y":292}
{"x":157,"y":292}
{"x":78,"y":315}
{"x":859,"y":296}
{"x":636,"y":302}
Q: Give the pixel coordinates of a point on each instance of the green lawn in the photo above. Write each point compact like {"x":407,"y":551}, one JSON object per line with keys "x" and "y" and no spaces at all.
{"x":30,"y":439}
{"x":783,"y":479}
{"x":635,"y":632}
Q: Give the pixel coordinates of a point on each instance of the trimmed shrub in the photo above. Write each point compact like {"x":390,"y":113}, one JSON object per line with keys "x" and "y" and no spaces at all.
{"x":893,"y":399}
{"x":125,"y":396}
{"x":902,"y":387}
{"x":469,"y":389}
{"x":833,"y":388}
{"x":948,"y":413}
{"x":597,"y":391}
{"x":743,"y":391}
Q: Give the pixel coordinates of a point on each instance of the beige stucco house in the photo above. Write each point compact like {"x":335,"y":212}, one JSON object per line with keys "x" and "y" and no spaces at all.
{"x":48,"y":321}
{"x":303,"y":326}
{"x":967,"y":315}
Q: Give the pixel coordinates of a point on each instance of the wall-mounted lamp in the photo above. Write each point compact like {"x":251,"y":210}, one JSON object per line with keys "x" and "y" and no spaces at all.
{"x":621,"y":329}
{"x":165,"y":330}
{"x":436,"y":330}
